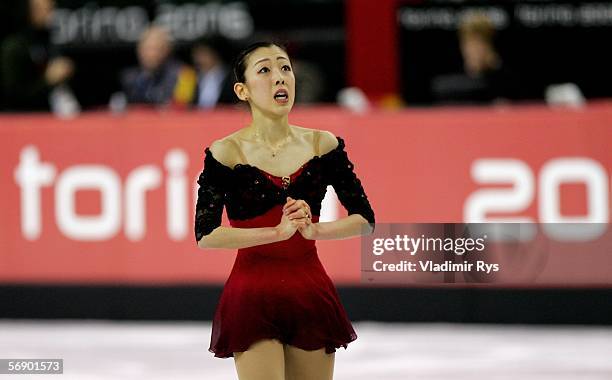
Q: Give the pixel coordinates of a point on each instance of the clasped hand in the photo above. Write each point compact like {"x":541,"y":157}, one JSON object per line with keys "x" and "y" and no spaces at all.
{"x":297,"y":216}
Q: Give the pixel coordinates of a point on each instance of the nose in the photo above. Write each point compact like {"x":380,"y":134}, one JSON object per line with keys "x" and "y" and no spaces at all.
{"x":279,"y":77}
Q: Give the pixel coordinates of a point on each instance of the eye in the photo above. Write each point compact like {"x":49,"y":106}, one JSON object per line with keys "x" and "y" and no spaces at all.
{"x":287,"y":67}
{"x":263,"y":68}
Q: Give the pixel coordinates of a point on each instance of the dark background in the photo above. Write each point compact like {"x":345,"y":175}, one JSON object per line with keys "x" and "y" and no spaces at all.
{"x":554,"y":52}
{"x":532,"y":306}
{"x":313,"y":31}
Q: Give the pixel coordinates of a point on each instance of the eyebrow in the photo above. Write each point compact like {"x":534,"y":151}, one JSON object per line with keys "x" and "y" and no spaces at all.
{"x":267,"y":59}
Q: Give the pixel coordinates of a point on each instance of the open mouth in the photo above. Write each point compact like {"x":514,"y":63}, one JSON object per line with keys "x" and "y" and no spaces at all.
{"x":281,"y":96}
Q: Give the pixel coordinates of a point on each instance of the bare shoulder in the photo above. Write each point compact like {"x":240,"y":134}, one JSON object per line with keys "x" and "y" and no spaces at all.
{"x":304,"y":133}
{"x":225,"y":151}
{"x":327,"y":142}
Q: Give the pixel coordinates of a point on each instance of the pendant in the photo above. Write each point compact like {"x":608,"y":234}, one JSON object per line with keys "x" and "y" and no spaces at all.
{"x":286,"y":180}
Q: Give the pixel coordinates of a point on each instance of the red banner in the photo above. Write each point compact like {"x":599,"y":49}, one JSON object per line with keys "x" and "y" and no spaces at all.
{"x":110,"y":199}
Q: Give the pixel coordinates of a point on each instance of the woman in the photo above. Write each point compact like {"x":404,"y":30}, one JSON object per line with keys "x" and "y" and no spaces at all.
{"x":279,"y":315}
{"x":30,"y":67}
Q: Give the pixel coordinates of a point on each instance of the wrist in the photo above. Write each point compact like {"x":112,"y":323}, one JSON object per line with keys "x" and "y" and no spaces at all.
{"x":278,"y":234}
{"x":314,"y":235}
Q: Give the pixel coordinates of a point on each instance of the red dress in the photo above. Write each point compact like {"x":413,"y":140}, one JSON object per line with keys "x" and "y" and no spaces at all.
{"x":278,"y":290}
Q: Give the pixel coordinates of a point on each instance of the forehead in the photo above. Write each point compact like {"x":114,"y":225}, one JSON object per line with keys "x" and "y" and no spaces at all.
{"x":42,"y":3}
{"x":155,"y":36}
{"x":271,"y":52}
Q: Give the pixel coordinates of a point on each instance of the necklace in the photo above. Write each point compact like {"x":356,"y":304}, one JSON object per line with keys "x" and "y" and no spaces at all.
{"x":276,"y":148}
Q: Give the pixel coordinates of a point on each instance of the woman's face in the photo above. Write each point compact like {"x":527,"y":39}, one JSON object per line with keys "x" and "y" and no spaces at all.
{"x":269,"y":70}
{"x":153,"y":49}
{"x":41,"y":12}
{"x":476,"y":54}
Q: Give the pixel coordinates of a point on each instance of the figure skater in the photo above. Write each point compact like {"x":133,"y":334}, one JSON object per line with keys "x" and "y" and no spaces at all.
{"x":279,"y":314}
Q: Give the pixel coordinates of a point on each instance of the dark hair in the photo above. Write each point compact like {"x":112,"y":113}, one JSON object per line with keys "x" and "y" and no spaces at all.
{"x":241,"y":58}
{"x":15,"y":17}
{"x":219,"y":44}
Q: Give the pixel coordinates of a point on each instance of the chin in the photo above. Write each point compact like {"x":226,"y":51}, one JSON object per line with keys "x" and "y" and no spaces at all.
{"x":280,"y":110}
{"x":280,"y":113}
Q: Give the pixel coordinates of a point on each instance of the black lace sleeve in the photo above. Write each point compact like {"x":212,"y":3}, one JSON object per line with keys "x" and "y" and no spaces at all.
{"x":342,"y":177}
{"x":211,"y":196}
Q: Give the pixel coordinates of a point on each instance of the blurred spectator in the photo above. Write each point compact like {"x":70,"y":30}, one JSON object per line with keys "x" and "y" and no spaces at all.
{"x":159,"y":79}
{"x":215,"y":82}
{"x":486,"y":78}
{"x":30,"y":68}
{"x":309,"y":81}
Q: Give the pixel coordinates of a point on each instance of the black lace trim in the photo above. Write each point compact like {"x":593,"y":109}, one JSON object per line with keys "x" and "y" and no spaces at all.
{"x":341,"y":174}
{"x":247,"y":192}
{"x":211,"y":197}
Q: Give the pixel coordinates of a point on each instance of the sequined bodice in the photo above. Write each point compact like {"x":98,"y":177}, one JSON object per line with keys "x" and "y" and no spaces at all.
{"x":247,"y":191}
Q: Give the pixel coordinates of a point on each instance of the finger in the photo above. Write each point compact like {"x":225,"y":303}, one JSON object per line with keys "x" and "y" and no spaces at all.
{"x":298,"y":224}
{"x":291,"y":208}
{"x":305,"y":211}
{"x":299,"y":214}
{"x":295,"y":215}
{"x":296,"y":206}
{"x":306,"y":206}
{"x":302,"y":203}
{"x":289,"y":204}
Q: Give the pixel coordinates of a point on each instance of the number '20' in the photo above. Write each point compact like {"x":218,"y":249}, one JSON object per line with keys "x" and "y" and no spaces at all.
{"x":520,"y":196}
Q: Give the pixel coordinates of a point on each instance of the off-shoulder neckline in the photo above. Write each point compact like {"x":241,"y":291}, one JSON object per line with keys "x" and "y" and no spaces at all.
{"x":339,"y":147}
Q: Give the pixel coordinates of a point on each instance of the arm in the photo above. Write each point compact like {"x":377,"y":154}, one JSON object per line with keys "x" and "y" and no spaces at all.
{"x":340,"y":174}
{"x":232,"y":238}
{"x":343,"y":228}
{"x":209,"y":209}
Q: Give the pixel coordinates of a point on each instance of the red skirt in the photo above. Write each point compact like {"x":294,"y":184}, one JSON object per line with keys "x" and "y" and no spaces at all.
{"x":279,"y":291}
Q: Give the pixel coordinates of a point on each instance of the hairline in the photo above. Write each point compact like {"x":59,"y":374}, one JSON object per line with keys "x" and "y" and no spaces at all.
{"x":267,"y":59}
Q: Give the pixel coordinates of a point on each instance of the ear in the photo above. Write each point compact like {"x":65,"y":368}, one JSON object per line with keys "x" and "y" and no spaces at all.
{"x":241,"y":91}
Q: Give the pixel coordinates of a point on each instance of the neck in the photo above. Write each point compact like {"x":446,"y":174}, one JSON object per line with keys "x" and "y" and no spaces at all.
{"x":271,"y":129}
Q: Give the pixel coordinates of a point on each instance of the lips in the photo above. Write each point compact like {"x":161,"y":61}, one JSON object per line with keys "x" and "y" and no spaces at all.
{"x":281,"y":95}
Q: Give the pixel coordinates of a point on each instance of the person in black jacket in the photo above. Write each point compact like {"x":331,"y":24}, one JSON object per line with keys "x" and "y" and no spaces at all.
{"x":159,"y":79}
{"x":214,"y":84}
{"x":486,"y":78}
{"x":30,"y":67}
